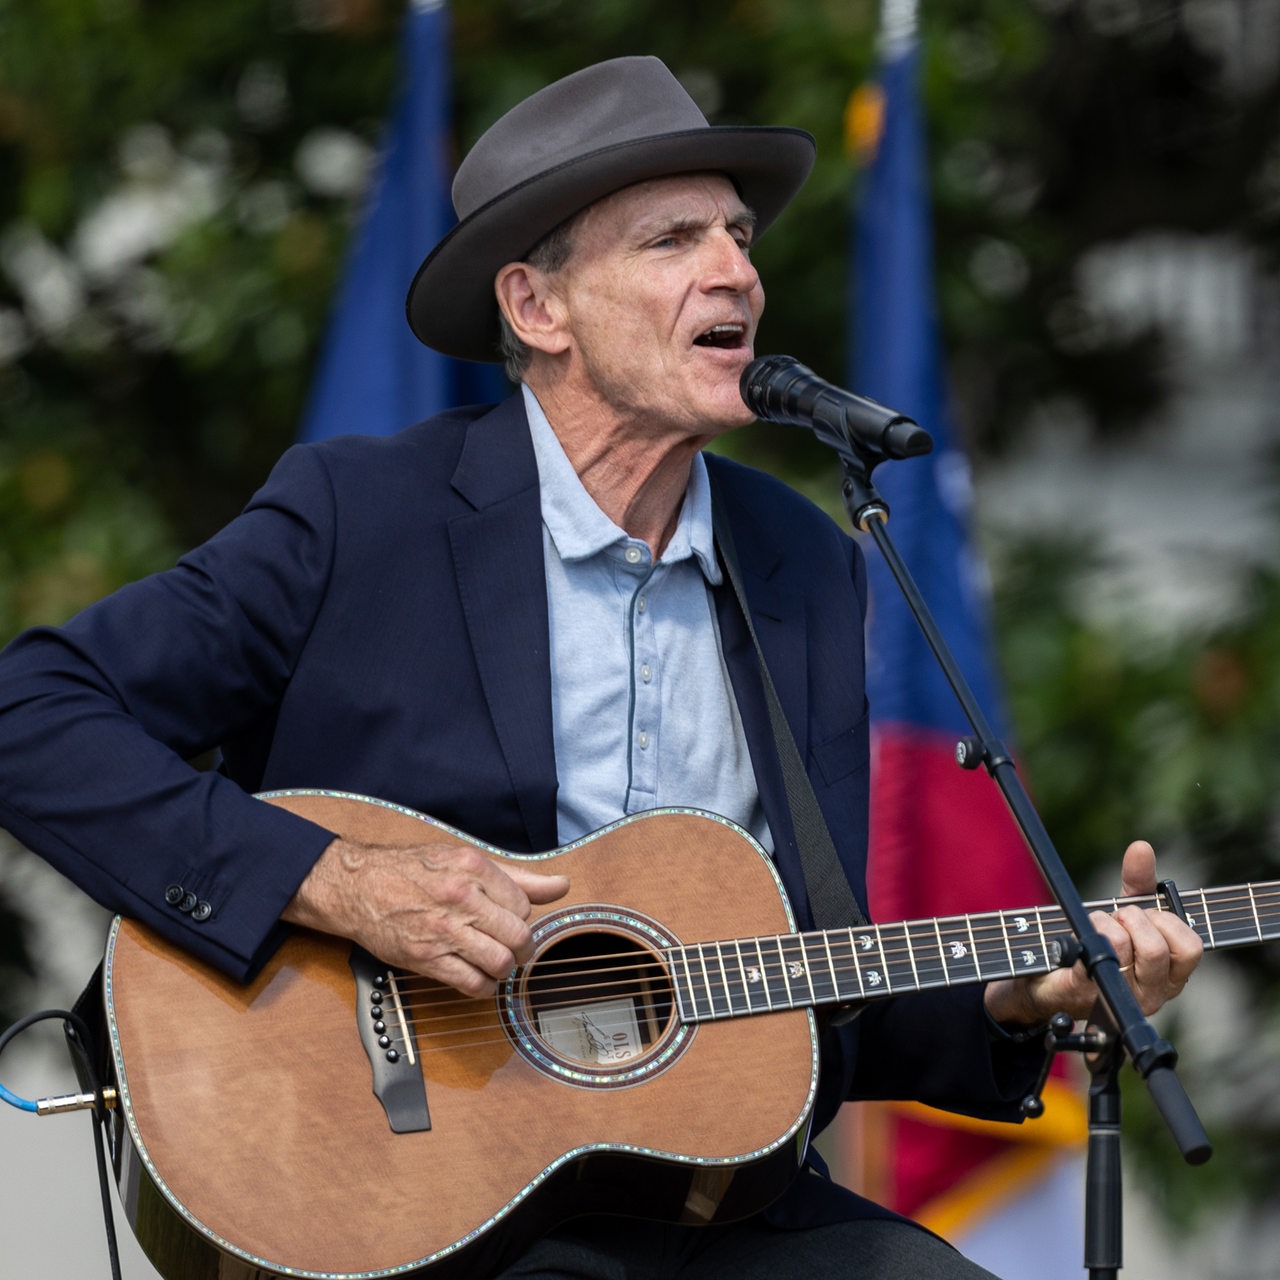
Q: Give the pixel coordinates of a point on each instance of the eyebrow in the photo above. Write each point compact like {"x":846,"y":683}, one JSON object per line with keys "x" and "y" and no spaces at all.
{"x":743,"y":216}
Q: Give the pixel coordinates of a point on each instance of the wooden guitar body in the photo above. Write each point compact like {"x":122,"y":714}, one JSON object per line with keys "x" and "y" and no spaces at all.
{"x":251,"y":1142}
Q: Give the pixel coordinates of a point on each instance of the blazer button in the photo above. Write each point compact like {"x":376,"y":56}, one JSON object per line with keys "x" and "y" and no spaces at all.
{"x":188,"y":903}
{"x":173,"y":894}
{"x":202,"y":912}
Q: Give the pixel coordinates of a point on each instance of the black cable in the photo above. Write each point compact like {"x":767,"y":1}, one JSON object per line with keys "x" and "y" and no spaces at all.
{"x":79,"y":1043}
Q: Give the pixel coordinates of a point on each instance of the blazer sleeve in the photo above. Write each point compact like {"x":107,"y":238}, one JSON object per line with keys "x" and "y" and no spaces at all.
{"x":99,"y":718}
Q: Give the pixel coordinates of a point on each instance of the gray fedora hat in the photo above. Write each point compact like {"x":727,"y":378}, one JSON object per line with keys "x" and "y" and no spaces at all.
{"x":565,"y":147}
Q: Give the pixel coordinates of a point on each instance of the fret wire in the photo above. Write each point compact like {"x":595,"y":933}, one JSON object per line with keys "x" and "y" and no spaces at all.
{"x":1253,"y":905}
{"x":764,"y":975}
{"x":724,"y":978}
{"x":808,"y":969}
{"x":1026,"y":955}
{"x":776,"y":944}
{"x":851,"y":943}
{"x":973,"y":947}
{"x":1008,"y":949}
{"x":1202,"y":927}
{"x":689,"y":984}
{"x":708,"y":981}
{"x":788,"y":972}
{"x":911,"y":955}
{"x":742,"y":969}
{"x":831,"y":963}
{"x":806,"y":941}
{"x":942,"y":953}
{"x":857,"y":964}
{"x":1208,"y":919}
{"x":691,"y":966}
{"x":880,"y":974}
{"x":884,"y":962}
{"x":686,"y":1014}
{"x":761,"y":980}
{"x":1044,"y":941}
{"x":789,"y":946}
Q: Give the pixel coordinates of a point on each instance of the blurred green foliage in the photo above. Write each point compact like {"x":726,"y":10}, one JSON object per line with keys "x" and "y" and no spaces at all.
{"x":1175,"y":739}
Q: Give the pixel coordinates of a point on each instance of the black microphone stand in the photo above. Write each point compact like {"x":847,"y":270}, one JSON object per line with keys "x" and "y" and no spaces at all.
{"x":1118,"y":1027}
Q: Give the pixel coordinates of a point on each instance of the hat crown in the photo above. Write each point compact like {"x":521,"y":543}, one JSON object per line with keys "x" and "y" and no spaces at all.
{"x":602,"y":106}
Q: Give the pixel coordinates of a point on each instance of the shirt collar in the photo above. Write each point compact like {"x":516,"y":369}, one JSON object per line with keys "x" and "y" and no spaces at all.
{"x":579,"y":529}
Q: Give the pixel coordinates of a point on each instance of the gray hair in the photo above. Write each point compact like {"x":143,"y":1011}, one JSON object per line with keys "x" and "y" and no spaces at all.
{"x":550,"y":254}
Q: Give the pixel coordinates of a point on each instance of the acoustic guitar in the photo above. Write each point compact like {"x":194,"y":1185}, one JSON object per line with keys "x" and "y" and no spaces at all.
{"x":657,"y":1057}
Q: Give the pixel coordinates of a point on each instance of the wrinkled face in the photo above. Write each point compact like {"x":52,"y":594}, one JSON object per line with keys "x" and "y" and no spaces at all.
{"x":661,"y":304}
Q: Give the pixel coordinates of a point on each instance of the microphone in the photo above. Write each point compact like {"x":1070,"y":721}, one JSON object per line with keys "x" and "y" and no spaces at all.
{"x":781,"y":389}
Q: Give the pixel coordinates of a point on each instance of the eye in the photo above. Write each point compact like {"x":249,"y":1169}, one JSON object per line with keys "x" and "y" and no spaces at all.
{"x":672,"y":238}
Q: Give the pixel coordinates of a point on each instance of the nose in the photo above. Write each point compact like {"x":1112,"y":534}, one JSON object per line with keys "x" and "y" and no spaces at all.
{"x":728,"y":264}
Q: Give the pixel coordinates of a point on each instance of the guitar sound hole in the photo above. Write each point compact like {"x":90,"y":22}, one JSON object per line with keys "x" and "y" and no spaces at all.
{"x":599,"y":999}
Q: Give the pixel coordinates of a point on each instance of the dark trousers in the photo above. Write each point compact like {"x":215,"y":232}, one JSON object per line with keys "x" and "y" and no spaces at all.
{"x":623,"y":1249}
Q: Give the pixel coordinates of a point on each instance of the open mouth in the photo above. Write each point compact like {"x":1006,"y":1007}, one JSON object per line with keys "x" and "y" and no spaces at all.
{"x":724,"y":336}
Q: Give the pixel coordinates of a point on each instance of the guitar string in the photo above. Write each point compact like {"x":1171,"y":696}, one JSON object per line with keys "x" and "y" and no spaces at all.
{"x":637,"y":972}
{"x":989,"y":935}
{"x":988,"y":930}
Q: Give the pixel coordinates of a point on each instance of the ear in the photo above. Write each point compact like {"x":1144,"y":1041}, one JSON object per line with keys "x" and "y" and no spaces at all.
{"x":531,"y":307}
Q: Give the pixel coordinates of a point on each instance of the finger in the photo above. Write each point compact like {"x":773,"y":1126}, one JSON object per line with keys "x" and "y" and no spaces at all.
{"x":472,"y":958}
{"x":495,"y":881}
{"x":1147,"y":965}
{"x":1163,"y":951}
{"x":1111,"y":928}
{"x":1138,"y":870}
{"x":539,"y":886}
{"x":493,"y":937}
{"x":1186,"y":947}
{"x":455,"y":972}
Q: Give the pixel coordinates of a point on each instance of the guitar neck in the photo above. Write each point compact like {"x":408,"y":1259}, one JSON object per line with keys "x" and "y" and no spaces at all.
{"x":743,"y":976}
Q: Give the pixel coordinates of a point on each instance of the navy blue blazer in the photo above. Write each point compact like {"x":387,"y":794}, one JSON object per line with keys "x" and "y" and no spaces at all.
{"x":375,"y":621}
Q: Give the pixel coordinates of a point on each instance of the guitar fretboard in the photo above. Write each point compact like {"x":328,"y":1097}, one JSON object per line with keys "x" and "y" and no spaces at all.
{"x":743,"y":976}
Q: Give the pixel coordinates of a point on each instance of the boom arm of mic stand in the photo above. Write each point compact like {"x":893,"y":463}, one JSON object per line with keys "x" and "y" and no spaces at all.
{"x":1153,"y":1057}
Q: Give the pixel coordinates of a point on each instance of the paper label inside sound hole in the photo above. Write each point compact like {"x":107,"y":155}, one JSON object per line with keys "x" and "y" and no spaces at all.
{"x":601,"y":1032}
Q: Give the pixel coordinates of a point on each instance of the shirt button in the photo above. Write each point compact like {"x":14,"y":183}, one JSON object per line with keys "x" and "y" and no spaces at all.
{"x":645,"y":673}
{"x":641,"y":605}
{"x":642,"y":741}
{"x":633,"y":555}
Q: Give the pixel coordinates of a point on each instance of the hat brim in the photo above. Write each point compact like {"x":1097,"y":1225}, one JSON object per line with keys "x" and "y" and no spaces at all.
{"x":451,"y":305}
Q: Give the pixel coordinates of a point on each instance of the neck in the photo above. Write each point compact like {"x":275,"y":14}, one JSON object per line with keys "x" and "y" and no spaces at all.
{"x":636,"y":473}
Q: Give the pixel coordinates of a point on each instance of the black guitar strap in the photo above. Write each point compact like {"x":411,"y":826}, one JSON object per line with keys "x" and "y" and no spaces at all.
{"x":830,"y":898}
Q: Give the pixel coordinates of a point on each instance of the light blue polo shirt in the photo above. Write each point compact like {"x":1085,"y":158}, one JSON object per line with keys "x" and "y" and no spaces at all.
{"x":643,"y":711}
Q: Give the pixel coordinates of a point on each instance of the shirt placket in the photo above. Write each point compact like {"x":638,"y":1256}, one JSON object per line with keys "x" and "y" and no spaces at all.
{"x":644,"y":715}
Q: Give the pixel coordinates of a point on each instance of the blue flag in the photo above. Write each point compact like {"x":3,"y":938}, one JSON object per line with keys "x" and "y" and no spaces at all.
{"x":896,"y":359}
{"x":374,"y":377}
{"x":942,"y":840}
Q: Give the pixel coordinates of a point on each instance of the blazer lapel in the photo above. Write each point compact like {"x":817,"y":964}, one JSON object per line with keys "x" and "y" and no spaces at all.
{"x":498,"y":560}
{"x":777,"y":613}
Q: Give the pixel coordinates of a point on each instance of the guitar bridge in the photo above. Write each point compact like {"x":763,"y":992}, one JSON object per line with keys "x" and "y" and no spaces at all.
{"x":386,"y":1032}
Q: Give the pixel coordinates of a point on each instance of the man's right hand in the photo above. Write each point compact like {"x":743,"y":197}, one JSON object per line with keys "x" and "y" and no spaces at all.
{"x":440,"y":909}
